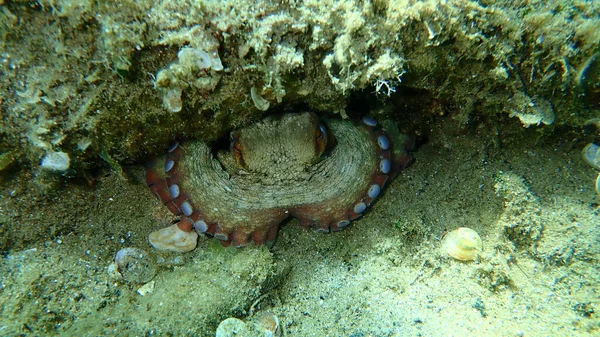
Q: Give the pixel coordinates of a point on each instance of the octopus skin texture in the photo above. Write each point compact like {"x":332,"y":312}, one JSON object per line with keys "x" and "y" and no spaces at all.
{"x":325,"y":173}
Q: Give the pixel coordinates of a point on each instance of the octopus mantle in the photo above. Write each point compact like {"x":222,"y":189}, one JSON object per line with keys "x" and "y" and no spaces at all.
{"x":323,"y":173}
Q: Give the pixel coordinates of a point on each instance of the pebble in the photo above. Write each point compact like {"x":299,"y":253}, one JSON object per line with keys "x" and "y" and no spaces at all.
{"x":146,"y":289}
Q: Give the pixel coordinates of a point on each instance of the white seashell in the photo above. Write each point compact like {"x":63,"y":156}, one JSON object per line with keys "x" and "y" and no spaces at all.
{"x":591,"y":155}
{"x":269,"y":324}
{"x":194,"y":56}
{"x":462,"y":244}
{"x":134,"y":265}
{"x":265,"y":325}
{"x":260,"y":103}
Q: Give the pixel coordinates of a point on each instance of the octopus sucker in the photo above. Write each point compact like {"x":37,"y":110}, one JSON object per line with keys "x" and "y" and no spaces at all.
{"x":326,"y":173}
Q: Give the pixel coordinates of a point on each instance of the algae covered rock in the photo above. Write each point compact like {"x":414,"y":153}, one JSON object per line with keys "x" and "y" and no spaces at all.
{"x":111,"y":84}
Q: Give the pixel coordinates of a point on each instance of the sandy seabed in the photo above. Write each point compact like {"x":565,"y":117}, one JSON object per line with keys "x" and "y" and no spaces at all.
{"x":532,"y":201}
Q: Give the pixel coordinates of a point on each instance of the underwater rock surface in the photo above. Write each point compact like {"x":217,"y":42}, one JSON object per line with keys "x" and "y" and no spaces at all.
{"x":108,"y":85}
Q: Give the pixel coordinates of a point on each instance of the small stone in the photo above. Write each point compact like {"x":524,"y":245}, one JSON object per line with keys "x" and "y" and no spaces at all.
{"x":55,"y":162}
{"x":113,"y":271}
{"x":531,"y":110}
{"x":216,"y":63}
{"x":231,"y":327}
{"x":146,"y":289}
{"x":172,"y":100}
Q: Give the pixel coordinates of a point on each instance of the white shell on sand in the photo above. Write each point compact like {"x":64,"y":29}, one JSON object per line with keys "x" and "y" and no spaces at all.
{"x":591,"y":155}
{"x":462,"y":244}
{"x":264,"y":325}
{"x":134,"y":265}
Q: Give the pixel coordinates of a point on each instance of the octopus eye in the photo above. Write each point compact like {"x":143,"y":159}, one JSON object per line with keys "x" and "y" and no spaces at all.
{"x":237,"y":151}
{"x":236,"y":146}
{"x":321,"y":138}
{"x":321,"y":132}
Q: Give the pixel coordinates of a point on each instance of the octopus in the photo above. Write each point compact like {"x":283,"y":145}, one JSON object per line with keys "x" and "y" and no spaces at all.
{"x":323,"y":172}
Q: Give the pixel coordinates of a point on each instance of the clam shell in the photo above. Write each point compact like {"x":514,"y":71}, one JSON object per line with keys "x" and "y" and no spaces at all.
{"x":591,"y":155}
{"x":462,"y":244}
{"x":269,"y":324}
{"x":134,"y":265}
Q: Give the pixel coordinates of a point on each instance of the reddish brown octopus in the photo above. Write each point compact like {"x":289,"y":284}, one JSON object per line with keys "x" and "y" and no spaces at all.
{"x":325,"y":173}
